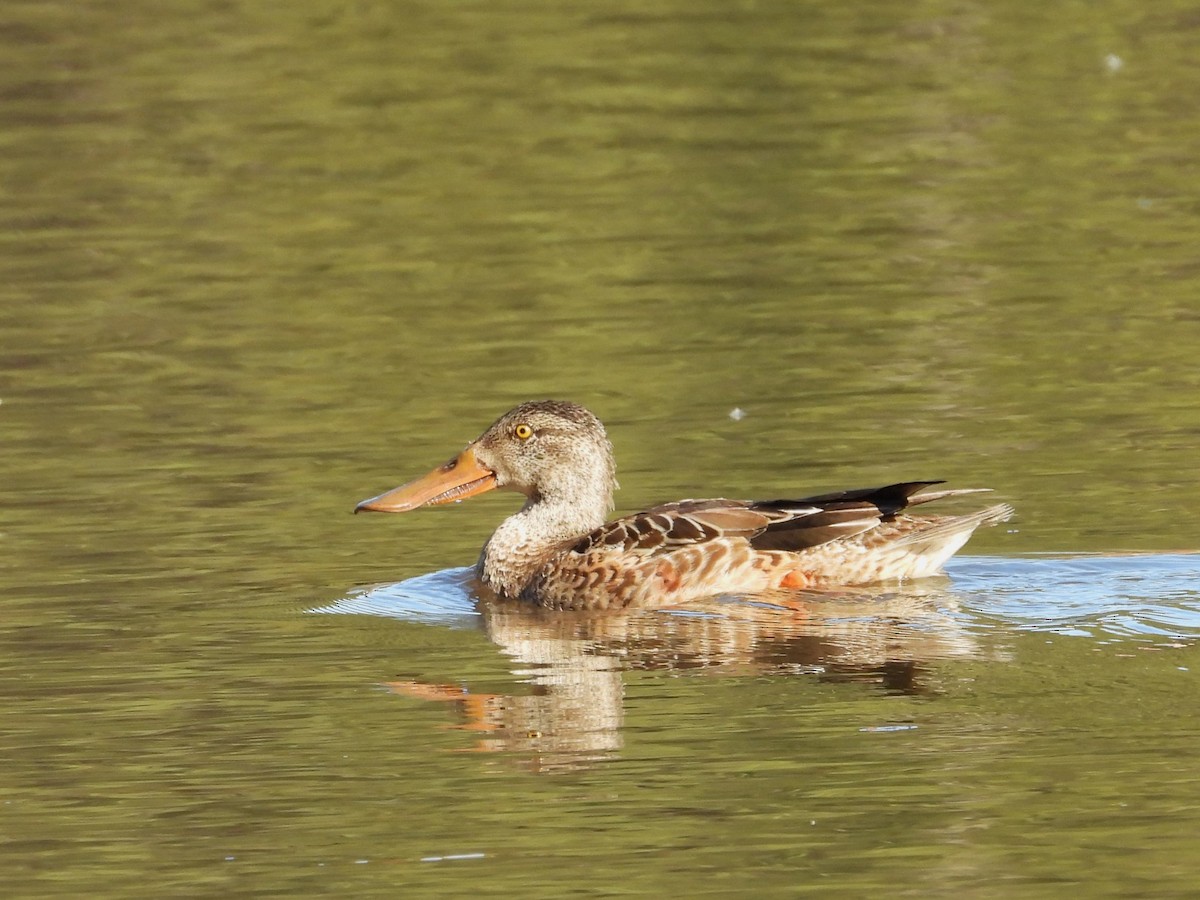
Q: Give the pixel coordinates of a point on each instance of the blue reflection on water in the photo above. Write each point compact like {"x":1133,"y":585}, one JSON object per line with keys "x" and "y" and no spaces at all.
{"x":1133,"y":595}
{"x":439,"y":598}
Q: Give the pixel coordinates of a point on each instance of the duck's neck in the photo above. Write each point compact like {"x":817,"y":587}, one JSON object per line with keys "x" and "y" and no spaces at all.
{"x":526,"y":541}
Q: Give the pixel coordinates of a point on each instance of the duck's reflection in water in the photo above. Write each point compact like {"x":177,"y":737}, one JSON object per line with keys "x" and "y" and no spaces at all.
{"x":576,"y":662}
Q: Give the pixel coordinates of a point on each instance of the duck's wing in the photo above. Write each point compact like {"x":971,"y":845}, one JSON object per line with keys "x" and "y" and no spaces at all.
{"x":765,"y":524}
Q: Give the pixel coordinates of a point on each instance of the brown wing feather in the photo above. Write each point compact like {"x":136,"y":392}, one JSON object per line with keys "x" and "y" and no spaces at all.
{"x":767,"y":525}
{"x":817,"y":528}
{"x":688,"y":522}
{"x":890,"y":498}
{"x":841,"y":514}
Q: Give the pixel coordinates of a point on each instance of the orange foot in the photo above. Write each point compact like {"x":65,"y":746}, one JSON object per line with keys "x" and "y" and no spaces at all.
{"x":796,"y":579}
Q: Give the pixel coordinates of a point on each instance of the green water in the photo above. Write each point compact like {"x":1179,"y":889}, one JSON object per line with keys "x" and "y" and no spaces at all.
{"x":260,"y":261}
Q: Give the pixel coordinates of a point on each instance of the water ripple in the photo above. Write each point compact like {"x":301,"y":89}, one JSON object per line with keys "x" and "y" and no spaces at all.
{"x":1127,"y":595}
{"x":439,"y":598}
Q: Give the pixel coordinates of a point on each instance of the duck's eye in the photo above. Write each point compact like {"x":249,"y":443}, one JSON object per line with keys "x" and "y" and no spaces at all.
{"x":523,"y":431}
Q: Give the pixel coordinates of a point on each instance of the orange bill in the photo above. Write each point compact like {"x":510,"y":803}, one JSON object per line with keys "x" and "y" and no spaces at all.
{"x":458,"y":479}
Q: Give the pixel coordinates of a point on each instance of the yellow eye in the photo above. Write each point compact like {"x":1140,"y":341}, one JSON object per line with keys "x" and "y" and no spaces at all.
{"x":523,"y":431}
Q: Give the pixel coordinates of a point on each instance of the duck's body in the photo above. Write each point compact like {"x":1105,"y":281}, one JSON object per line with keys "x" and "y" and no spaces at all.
{"x":557,"y":551}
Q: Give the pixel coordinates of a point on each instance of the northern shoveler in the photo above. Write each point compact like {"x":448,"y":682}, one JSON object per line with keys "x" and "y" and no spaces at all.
{"x":558,"y":552}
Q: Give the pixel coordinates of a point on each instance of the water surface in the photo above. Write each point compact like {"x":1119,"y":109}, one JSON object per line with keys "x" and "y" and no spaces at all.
{"x":260,"y":262}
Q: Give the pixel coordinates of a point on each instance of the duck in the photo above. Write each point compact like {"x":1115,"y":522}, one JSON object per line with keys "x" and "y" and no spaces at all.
{"x":560,"y":552}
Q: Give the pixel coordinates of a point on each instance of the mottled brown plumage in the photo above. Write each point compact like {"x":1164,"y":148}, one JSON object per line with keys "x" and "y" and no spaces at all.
{"x":558,"y":552}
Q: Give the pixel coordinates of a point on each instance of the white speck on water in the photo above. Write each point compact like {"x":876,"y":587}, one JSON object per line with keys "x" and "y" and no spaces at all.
{"x":1145,"y":203}
{"x":450,"y":857}
{"x":1113,"y":63}
{"x":361,"y":862}
{"x":1183,"y":668}
{"x":737,"y":414}
{"x":876,"y":728}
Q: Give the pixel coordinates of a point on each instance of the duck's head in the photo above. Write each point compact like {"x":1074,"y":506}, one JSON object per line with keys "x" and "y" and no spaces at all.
{"x":549,"y":450}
